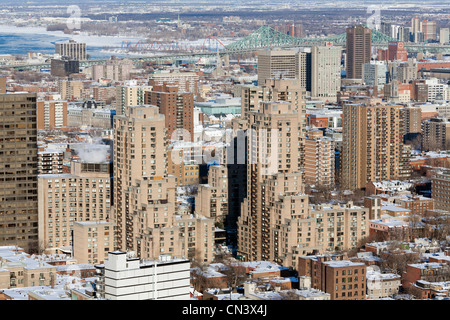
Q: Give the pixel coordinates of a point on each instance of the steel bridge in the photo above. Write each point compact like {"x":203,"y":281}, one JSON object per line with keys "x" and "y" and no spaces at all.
{"x":263,"y":38}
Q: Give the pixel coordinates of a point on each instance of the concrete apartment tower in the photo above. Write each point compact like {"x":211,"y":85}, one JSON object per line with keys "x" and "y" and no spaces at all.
{"x":359,"y":47}
{"x":274,"y":152}
{"x":66,"y":198}
{"x":145,"y":194}
{"x":325,"y":72}
{"x":177,"y":107}
{"x":18,"y":168}
{"x":130,"y":94}
{"x":284,"y":64}
{"x":319,"y":159}
{"x":373,"y":148}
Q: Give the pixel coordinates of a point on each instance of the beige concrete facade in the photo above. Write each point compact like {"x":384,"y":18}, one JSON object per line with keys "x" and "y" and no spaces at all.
{"x":319,"y":159}
{"x":92,"y":240}
{"x":145,"y":207}
{"x":82,"y":195}
{"x":212,"y":198}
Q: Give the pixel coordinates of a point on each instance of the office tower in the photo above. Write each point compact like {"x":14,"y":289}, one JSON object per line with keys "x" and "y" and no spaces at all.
{"x":18,"y":168}
{"x":419,"y":37}
{"x":404,"y":34}
{"x":429,"y":30}
{"x":375,"y":74}
{"x":284,"y":64}
{"x":82,"y":195}
{"x":64,"y":67}
{"x":373,"y":148}
{"x":51,"y":114}
{"x":274,"y":158}
{"x":319,"y":159}
{"x":72,"y":49}
{"x":130,"y":94}
{"x":444,"y":35}
{"x":186,"y":81}
{"x":386,"y":28}
{"x":178,"y":110}
{"x":325,"y":72}
{"x":212,"y":198}
{"x":359,"y":47}
{"x":145,"y":195}
{"x":126,"y":277}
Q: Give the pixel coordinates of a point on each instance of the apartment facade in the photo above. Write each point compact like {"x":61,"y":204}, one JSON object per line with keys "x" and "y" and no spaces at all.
{"x":178,"y":110}
{"x":92,"y":240}
{"x":64,"y":199}
{"x":18,"y":168}
{"x":211,"y":199}
{"x":51,"y":114}
{"x":274,"y":147}
{"x":319,"y":159}
{"x":325,"y":72}
{"x":436,"y":134}
{"x":185,"y":81}
{"x":373,"y":148}
{"x":145,"y":208}
{"x":440,"y":186}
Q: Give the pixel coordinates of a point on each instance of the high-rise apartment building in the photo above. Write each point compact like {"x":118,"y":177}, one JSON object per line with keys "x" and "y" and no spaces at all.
{"x":177,"y":108}
{"x":440,"y":186}
{"x":130,"y":94}
{"x":284,"y":64}
{"x":436,"y":134}
{"x":185,"y":81}
{"x":145,"y":194}
{"x":325,"y":72}
{"x":71,"y":49}
{"x":212,"y":198}
{"x":373,"y":148}
{"x":115,"y":70}
{"x":51,"y":114}
{"x":319,"y":159}
{"x":66,"y":198}
{"x":92,"y":240}
{"x":274,"y":152}
{"x":358,"y":49}
{"x":18,"y":171}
